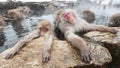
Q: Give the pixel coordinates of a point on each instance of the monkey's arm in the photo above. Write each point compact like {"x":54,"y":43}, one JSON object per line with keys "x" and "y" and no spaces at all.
{"x":102,"y":28}
{"x":80,"y":44}
{"x":47,"y":47}
{"x":15,"y":49}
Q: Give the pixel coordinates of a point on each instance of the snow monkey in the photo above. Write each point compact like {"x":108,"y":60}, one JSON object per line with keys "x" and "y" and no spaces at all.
{"x":19,"y":13}
{"x":89,"y":16}
{"x":2,"y":23}
{"x":114,"y":20}
{"x":44,"y":29}
{"x":68,"y":23}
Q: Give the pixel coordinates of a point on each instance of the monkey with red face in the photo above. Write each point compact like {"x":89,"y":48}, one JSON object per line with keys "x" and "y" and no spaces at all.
{"x":68,"y":23}
{"x":44,"y":29}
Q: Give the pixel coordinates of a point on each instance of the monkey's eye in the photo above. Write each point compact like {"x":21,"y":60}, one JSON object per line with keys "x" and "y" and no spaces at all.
{"x":43,"y":29}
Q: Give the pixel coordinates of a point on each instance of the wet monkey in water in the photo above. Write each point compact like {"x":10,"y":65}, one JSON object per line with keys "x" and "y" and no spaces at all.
{"x":19,"y":13}
{"x":114,"y":20}
{"x":44,"y":29}
{"x":89,"y":16}
{"x":68,"y":23}
{"x":2,"y":23}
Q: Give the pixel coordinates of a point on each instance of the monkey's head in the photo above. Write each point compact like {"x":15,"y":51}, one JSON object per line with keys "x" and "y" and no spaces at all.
{"x":88,"y":15}
{"x":44,"y":26}
{"x":69,"y":16}
{"x":25,"y":10}
{"x":114,"y":20}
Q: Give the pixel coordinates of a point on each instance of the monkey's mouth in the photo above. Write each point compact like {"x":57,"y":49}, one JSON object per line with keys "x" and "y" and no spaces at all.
{"x":43,"y":30}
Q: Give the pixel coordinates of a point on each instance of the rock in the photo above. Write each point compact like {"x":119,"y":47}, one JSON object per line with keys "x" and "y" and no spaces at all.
{"x":62,"y":55}
{"x":110,"y":41}
{"x":36,"y":7}
{"x":10,"y":5}
{"x":1,"y":5}
{"x":104,"y":37}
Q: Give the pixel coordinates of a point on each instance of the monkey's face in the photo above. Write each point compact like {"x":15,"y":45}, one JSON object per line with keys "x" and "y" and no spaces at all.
{"x":69,"y":16}
{"x":44,"y":27}
{"x":43,"y":31}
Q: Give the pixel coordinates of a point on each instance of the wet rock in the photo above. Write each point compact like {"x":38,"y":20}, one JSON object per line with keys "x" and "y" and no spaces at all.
{"x":110,"y":41}
{"x":11,"y":5}
{"x":36,"y":7}
{"x":62,"y":55}
{"x":1,"y":5}
{"x":104,"y":37}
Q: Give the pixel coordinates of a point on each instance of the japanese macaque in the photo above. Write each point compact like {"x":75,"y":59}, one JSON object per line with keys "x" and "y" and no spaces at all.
{"x":68,"y":23}
{"x":89,"y":16}
{"x":25,"y":10}
{"x":44,"y":29}
{"x":19,"y":13}
{"x":2,"y":23}
{"x":114,"y":20}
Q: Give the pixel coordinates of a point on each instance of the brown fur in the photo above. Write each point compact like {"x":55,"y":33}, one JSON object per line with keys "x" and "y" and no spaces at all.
{"x":2,"y":23}
{"x":19,"y":13}
{"x":25,"y":10}
{"x":89,"y":16}
{"x":114,"y":20}
{"x":45,"y":23}
{"x":68,"y":31}
{"x":14,"y":14}
{"x":47,"y":45}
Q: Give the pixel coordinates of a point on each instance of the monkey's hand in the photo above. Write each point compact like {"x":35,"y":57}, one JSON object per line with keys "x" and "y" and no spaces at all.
{"x":85,"y":55}
{"x":45,"y":57}
{"x":11,"y":53}
{"x":79,"y":42}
